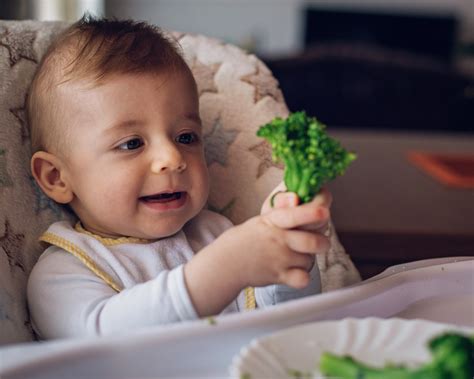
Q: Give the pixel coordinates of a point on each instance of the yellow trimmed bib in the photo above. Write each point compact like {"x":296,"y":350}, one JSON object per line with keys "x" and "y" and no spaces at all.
{"x":80,"y":254}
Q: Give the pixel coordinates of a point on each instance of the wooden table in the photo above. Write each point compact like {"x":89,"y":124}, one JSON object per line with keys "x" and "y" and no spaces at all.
{"x":387,"y":211}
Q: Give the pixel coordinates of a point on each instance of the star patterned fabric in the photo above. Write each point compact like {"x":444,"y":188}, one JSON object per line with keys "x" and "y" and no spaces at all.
{"x":19,"y":45}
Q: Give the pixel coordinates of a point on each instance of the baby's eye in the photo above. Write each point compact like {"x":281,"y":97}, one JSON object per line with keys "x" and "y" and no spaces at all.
{"x":187,"y":138}
{"x":131,"y":144}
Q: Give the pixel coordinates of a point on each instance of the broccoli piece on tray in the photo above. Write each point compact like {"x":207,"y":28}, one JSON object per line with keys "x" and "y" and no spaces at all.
{"x":452,"y":358}
{"x":311,"y":157}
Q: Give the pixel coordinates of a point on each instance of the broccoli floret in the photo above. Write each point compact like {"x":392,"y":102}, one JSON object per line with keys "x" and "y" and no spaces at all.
{"x":453,"y":354}
{"x":346,"y":367}
{"x":310,"y":156}
{"x":452,"y":359}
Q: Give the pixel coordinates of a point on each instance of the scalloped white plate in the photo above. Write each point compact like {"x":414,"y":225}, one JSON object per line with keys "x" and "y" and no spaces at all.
{"x":372,"y":340}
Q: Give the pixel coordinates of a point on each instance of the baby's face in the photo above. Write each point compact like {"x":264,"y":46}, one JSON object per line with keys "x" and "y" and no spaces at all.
{"x":136,"y":163}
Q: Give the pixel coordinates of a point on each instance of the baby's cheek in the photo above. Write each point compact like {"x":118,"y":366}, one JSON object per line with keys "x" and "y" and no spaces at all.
{"x":120,"y":191}
{"x":201,"y":182}
{"x":114,"y":203}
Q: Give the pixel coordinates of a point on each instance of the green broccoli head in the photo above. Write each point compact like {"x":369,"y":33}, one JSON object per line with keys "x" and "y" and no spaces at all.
{"x":453,"y":354}
{"x":310,"y":156}
{"x":452,"y":358}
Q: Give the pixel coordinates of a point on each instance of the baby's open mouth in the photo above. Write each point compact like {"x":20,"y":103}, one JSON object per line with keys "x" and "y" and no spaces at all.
{"x":164,"y":197}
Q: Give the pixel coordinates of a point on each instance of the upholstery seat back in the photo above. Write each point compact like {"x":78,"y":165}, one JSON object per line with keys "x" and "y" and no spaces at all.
{"x":237,"y":94}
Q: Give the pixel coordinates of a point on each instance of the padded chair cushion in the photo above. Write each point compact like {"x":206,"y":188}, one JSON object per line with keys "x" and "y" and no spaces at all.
{"x":237,"y":93}
{"x":25,"y":211}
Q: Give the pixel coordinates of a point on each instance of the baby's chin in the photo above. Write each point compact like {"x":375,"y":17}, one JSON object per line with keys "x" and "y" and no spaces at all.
{"x":160,"y":233}
{"x":165,"y":228}
{"x":146,"y":232}
{"x":149,"y":229}
{"x":154,"y":232}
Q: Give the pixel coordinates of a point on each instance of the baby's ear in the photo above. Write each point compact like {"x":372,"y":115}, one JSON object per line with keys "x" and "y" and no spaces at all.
{"x":49,"y":173}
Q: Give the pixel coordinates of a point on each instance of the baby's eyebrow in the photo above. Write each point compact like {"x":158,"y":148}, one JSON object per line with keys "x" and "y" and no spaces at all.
{"x":124,"y":125}
{"x":193,"y":117}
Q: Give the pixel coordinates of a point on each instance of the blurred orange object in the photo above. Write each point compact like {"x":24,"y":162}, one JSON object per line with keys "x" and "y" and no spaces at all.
{"x":455,"y":170}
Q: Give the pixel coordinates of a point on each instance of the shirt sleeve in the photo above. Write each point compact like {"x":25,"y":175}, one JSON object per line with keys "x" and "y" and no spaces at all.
{"x":67,"y":300}
{"x":279,"y":293}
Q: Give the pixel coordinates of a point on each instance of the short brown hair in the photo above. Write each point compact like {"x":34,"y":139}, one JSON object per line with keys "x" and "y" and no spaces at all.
{"x":93,"y":49}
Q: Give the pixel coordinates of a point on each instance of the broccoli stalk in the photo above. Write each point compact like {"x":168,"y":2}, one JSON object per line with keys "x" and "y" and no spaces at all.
{"x":452,"y":359}
{"x":310,"y":156}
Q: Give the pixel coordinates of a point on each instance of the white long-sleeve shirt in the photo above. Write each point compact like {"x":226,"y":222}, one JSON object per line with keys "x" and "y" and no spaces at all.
{"x":85,"y":285}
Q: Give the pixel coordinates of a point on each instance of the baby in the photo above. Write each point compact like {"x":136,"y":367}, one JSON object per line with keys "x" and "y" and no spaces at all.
{"x":117,"y":137}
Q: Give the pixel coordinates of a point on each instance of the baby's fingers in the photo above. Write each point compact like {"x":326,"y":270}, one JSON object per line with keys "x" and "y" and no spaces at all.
{"x":323,"y":198}
{"x":304,"y":261}
{"x":285,"y":200}
{"x":307,"y":242}
{"x":289,"y":218}
{"x":295,"y":277}
{"x":277,"y":195}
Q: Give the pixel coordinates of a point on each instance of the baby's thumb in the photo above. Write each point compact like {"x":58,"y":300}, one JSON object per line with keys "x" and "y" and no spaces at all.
{"x":285,"y":200}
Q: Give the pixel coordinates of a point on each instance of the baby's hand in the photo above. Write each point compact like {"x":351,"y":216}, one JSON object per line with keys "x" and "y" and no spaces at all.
{"x":283,"y":199}
{"x":268,"y":249}
{"x":273,"y":248}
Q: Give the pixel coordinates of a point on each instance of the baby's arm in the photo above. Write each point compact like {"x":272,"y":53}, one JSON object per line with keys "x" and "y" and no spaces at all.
{"x":66,"y":299}
{"x":262,"y":251}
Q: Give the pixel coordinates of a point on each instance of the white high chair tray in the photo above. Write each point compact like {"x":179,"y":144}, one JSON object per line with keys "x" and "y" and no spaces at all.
{"x":439,"y":290}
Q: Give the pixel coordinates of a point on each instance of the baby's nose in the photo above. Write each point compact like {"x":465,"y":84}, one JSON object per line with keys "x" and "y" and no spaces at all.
{"x":168,"y":159}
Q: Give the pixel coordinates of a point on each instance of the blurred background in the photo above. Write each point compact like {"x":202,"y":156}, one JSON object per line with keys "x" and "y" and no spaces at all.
{"x":397,"y":64}
{"x":389,"y":78}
